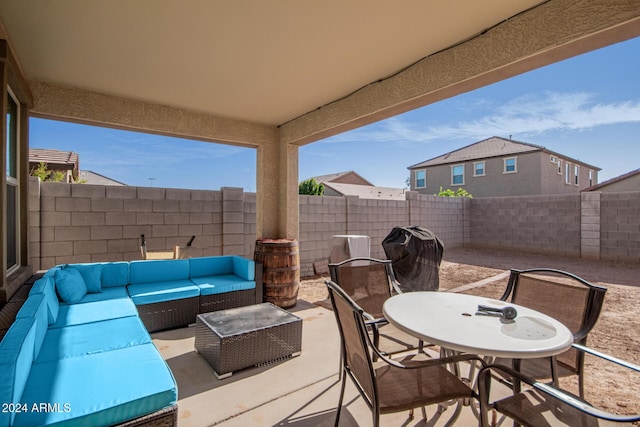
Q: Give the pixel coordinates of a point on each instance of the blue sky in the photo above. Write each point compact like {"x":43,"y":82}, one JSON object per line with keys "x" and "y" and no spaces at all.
{"x":587,"y":107}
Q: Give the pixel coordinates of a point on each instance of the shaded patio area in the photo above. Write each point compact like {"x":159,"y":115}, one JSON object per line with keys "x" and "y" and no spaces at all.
{"x":303,"y":391}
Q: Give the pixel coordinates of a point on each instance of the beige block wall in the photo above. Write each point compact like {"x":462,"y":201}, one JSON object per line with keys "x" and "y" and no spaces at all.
{"x":86,"y":223}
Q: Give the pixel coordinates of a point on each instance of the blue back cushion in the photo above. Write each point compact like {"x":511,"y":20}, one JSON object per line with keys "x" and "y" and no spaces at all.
{"x":70,"y":285}
{"x":36,"y":307}
{"x":115,"y":274}
{"x":16,"y":357}
{"x":92,"y":275}
{"x":158,"y":271}
{"x":45,"y":286}
{"x":210,"y":266}
{"x":244,"y":268}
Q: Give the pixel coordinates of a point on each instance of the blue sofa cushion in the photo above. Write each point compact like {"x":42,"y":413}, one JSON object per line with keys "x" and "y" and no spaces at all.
{"x":220,"y":284}
{"x":16,"y":356}
{"x":92,"y":275}
{"x":124,"y":384}
{"x":36,"y":307}
{"x":90,"y":338}
{"x":115,"y":274}
{"x":149,"y":293}
{"x":77,"y":314}
{"x":210,"y":266}
{"x":106,"y":294}
{"x":70,"y":285}
{"x":45,"y":285}
{"x":244,"y":268}
{"x":158,"y":271}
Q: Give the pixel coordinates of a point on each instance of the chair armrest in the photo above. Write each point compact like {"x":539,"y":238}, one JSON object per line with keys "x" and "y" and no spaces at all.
{"x":606,"y":357}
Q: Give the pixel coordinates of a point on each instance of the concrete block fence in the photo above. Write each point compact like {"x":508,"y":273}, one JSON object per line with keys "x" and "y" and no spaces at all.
{"x":90,"y":223}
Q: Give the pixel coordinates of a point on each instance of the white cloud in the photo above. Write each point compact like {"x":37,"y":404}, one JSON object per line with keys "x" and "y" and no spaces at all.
{"x":526,"y":115}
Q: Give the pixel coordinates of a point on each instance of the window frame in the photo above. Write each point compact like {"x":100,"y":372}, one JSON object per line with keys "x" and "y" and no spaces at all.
{"x":515,"y":165}
{"x":567,"y":173}
{"x":461,"y":165}
{"x":576,"y":174}
{"x":484,"y":168}
{"x":559,"y":167}
{"x":415,"y":178}
{"x":11,"y":235}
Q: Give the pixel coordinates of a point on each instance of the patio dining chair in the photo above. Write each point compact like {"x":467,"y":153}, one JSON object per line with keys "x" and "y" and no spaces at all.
{"x":393,"y":385}
{"x":370,"y":282}
{"x":532,"y":403}
{"x":565,"y":297}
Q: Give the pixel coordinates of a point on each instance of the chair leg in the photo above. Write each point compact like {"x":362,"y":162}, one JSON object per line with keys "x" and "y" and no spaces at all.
{"x":342,"y":387}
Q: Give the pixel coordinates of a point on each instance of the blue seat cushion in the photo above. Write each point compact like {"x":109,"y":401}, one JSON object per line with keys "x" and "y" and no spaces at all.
{"x":219,"y":284}
{"x":106,"y":294}
{"x":90,"y":338}
{"x":16,"y":356}
{"x":150,"y":293}
{"x":77,"y":314}
{"x":124,"y":384}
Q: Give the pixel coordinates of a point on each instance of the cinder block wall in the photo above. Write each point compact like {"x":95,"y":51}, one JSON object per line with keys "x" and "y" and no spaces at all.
{"x":542,"y":224}
{"x":620,"y":226}
{"x":92,"y":223}
{"x":89,"y":223}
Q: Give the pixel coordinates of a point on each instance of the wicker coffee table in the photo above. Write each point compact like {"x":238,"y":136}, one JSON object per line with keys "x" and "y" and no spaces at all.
{"x":242,"y":337}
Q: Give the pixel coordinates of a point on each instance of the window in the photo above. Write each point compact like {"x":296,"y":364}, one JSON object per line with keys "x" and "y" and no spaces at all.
{"x":553,"y":159}
{"x":12,"y":215}
{"x":567,"y":173}
{"x":575,"y":174}
{"x":590,"y":178}
{"x":559,"y":167}
{"x":511,"y":165}
{"x":478,"y":169}
{"x":457,"y":175}
{"x":421,"y":179}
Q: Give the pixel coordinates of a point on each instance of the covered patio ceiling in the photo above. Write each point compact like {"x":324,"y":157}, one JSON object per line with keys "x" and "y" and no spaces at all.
{"x":275,"y":75}
{"x":312,"y":68}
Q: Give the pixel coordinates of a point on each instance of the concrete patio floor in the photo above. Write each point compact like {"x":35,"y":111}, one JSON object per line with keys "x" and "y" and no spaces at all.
{"x":302,"y":391}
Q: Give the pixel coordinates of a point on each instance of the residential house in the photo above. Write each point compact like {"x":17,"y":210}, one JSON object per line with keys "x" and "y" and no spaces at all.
{"x":351,"y":184}
{"x":93,"y":178}
{"x":502,"y":167}
{"x":629,"y":181}
{"x":66,"y":162}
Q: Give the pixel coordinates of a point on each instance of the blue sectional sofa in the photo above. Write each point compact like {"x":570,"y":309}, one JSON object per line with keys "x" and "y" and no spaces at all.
{"x":79,"y":352}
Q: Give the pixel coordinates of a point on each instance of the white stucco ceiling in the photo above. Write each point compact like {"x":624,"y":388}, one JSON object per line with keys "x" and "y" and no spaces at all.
{"x":258,"y":61}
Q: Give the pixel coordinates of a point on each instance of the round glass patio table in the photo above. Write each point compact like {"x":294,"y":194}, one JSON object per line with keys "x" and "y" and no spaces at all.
{"x":450,"y":321}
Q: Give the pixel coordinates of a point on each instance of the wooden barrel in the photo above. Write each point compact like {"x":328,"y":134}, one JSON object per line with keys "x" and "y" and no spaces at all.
{"x":280,"y":270}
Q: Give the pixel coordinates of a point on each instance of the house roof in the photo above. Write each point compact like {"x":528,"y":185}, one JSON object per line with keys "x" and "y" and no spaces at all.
{"x":54,"y":157}
{"x":367,"y":192}
{"x":337,"y":176}
{"x":491,"y":147}
{"x":614,"y":180}
{"x":93,"y":178}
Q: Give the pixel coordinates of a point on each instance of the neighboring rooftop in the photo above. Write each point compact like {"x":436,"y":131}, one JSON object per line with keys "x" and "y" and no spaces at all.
{"x":491,"y":147}
{"x":348,"y":177}
{"x":93,"y":178}
{"x":629,"y":181}
{"x":365,"y":191}
{"x":54,"y":157}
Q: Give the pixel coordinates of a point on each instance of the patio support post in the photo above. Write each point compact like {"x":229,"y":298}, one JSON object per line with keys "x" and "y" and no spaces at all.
{"x":277,"y":196}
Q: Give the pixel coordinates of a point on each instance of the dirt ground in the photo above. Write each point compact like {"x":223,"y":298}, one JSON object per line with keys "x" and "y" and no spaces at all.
{"x":617,"y":332}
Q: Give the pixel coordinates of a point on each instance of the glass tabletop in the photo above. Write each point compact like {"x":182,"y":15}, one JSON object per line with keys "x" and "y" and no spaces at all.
{"x":241,"y":320}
